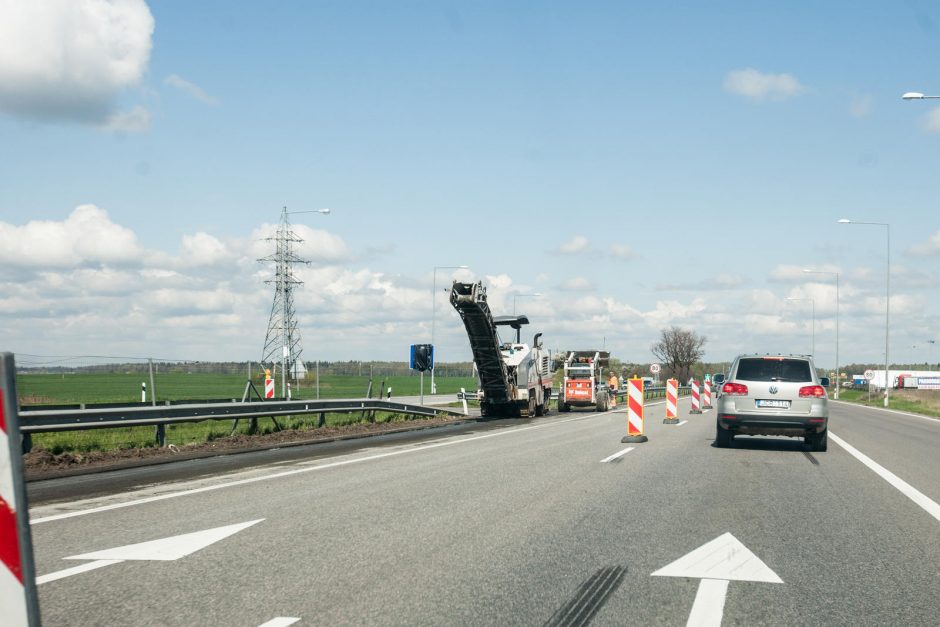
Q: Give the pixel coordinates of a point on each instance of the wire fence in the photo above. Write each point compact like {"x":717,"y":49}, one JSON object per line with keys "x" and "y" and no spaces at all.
{"x":52,"y":380}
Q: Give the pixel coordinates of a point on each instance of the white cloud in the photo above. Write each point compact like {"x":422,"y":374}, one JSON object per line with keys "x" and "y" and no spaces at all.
{"x":576,"y":284}
{"x":575,"y":245}
{"x":621,"y":251}
{"x":137,"y":120}
{"x":194,"y":90}
{"x":757,"y":85}
{"x":86,"y":236}
{"x":783,"y":273}
{"x":68,"y":60}
{"x":203,"y":249}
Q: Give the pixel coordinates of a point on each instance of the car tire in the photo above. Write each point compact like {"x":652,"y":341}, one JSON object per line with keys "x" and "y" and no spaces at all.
{"x":563,"y":407}
{"x":723,"y":437}
{"x":818,"y":442}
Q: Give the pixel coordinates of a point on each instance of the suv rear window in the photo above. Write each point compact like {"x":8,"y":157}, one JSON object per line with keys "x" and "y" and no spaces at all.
{"x":758,"y":369}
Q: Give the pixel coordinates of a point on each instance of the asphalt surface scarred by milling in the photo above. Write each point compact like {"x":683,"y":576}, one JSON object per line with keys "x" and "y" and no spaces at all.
{"x":500,"y":524}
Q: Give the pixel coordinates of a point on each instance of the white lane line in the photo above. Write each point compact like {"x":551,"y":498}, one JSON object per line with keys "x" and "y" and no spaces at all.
{"x":929,"y":505}
{"x":682,"y":423}
{"x":616,"y":455}
{"x":280,"y":621}
{"x":297,"y":471}
{"x":75,"y":570}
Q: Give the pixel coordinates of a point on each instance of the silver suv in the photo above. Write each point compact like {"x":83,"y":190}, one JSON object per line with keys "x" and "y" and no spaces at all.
{"x":774,"y":395}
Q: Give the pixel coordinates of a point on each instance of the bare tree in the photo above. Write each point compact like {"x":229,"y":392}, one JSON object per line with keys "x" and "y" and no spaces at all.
{"x":678,"y":350}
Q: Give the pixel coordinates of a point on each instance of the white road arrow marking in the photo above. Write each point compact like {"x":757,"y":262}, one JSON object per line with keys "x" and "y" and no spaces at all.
{"x":716,"y":563}
{"x":165,"y":549}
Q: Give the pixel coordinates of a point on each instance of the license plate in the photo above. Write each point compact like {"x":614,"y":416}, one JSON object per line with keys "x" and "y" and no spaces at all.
{"x":772,"y":403}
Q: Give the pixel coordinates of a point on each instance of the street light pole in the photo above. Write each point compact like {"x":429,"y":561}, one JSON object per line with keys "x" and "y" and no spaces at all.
{"x":813,"y":346}
{"x":916,"y":95}
{"x":515,"y":296}
{"x":887,"y":283}
{"x":838,"y":374}
{"x":434,"y":312}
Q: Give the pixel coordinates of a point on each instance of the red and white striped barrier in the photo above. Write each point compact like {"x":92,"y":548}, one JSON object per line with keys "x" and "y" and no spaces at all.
{"x":707,"y":395}
{"x":696,"y":400}
{"x":18,"y":599}
{"x":672,"y":402}
{"x":634,"y":412}
{"x":268,"y":385}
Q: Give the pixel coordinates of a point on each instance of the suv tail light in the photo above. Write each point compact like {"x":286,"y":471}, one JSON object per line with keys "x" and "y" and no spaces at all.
{"x":734,"y":389}
{"x":812,"y":390}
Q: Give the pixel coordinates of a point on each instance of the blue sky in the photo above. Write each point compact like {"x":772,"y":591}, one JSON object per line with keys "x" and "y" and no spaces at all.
{"x":640,"y":165}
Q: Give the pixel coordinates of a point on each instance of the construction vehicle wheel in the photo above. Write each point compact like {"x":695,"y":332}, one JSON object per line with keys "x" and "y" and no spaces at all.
{"x":540,"y":409}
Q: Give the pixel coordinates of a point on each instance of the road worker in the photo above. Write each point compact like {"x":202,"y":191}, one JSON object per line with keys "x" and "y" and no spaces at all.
{"x":613,"y":384}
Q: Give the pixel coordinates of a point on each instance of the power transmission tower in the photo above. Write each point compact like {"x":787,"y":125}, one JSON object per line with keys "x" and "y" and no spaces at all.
{"x":282,"y":341}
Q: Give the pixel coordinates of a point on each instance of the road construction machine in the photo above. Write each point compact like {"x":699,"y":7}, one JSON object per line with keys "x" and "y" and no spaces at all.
{"x":514,"y":377}
{"x":583,"y":385}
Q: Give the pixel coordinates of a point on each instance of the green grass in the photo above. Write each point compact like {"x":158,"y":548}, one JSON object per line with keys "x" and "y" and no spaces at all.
{"x":925,"y":402}
{"x":49,"y":389}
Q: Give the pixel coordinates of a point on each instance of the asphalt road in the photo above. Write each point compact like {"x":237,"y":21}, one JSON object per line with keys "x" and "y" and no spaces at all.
{"x":528,"y":522}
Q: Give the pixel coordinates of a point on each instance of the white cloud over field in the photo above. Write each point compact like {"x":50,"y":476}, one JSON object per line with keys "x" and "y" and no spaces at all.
{"x":86,"y":285}
{"x":69,"y":60}
{"x":758,"y":86}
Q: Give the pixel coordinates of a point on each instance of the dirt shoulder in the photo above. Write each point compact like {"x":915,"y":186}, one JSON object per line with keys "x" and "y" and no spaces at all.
{"x":41,"y":464}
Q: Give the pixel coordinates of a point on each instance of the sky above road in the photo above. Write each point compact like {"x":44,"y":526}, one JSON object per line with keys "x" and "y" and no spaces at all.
{"x":638,"y":165}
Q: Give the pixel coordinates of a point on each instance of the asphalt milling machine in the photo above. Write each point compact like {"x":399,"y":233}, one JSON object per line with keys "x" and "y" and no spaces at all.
{"x":514,"y":377}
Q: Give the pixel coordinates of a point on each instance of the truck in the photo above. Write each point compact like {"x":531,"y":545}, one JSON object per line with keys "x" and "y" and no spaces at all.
{"x":514,"y":377}
{"x":582,"y":385}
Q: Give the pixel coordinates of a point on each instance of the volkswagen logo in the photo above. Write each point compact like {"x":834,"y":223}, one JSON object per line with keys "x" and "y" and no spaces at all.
{"x":773,"y":389}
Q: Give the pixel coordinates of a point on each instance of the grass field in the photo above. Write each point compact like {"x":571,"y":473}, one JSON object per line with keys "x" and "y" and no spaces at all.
{"x":50,"y":389}
{"x":53,"y":389}
{"x":926,"y":402}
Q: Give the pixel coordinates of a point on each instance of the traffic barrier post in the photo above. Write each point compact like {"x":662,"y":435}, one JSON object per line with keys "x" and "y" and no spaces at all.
{"x":707,"y":395}
{"x":696,"y":400}
{"x":634,"y":412}
{"x":268,"y":385}
{"x":672,"y":402}
{"x":17,"y":574}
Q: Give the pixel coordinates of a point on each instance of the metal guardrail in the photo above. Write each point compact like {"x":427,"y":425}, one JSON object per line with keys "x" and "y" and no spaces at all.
{"x":47,"y":420}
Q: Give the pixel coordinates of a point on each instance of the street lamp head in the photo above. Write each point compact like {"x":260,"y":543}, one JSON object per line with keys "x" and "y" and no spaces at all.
{"x":913,"y":95}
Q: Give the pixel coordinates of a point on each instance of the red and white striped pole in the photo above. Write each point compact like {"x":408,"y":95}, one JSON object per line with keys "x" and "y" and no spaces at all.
{"x":672,"y":402}
{"x":18,"y":598}
{"x":707,"y":395}
{"x":696,"y":401}
{"x":268,"y":385}
{"x":634,"y":412}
